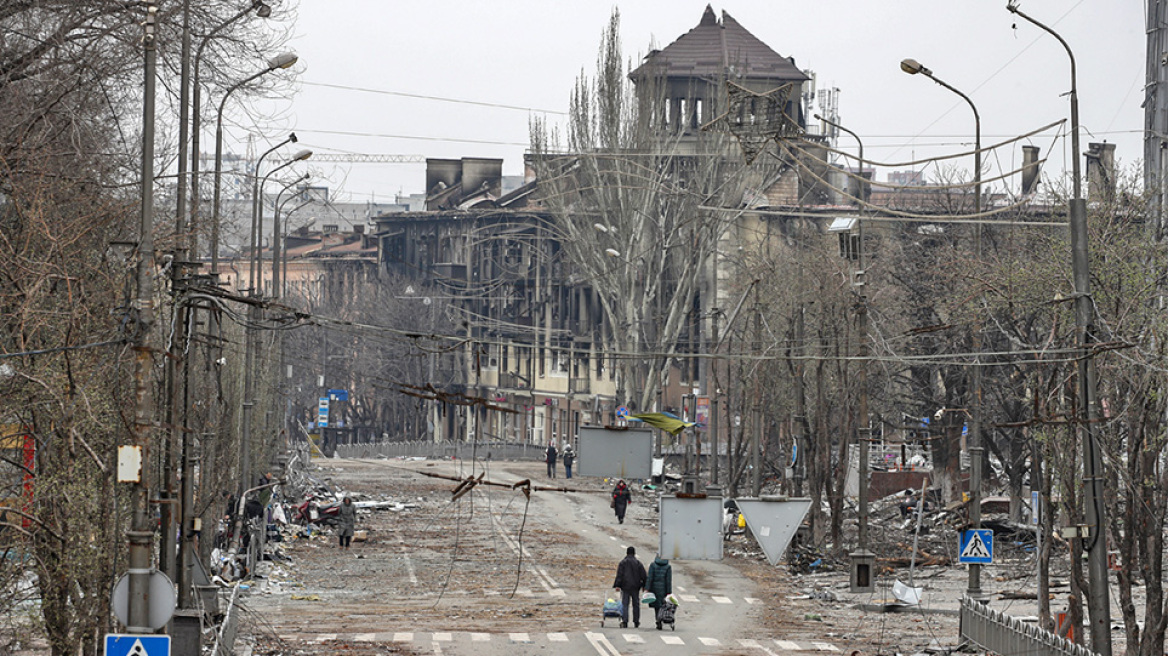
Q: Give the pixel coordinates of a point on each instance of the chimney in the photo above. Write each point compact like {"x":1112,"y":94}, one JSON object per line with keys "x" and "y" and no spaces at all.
{"x":1101,"y":172}
{"x":446,"y":171}
{"x":477,"y":170}
{"x":1030,"y":169}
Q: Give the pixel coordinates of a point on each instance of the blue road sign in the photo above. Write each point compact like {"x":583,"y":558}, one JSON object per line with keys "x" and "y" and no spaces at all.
{"x":137,"y":645}
{"x":977,"y":546}
{"x":338,"y":395}
{"x":622,"y":412}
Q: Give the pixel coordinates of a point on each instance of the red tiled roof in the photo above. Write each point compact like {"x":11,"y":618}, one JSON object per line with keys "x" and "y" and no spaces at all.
{"x":713,"y":49}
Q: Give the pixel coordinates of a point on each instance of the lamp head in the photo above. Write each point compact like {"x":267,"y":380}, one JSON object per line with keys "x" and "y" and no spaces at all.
{"x":292,"y":137}
{"x":262,"y":9}
{"x":612,"y":252}
{"x":912,"y":67}
{"x":285,"y":60}
{"x":301,"y":155}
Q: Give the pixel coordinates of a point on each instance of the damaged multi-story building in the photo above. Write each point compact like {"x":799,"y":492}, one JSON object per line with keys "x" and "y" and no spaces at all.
{"x":539,"y":339}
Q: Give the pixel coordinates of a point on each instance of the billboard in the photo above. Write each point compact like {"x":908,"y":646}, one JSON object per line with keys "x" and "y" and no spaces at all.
{"x":614,"y":452}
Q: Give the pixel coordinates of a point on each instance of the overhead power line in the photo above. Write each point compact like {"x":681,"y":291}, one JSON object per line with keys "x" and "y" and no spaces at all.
{"x":419,"y":96}
{"x":358,"y":158}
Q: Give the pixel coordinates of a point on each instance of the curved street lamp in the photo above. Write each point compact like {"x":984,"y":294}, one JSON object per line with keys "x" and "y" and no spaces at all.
{"x":257,"y":218}
{"x":1099,"y":599}
{"x":253,"y":236}
{"x":261,"y":10}
{"x":276,"y":232}
{"x":285,"y":60}
{"x":912,"y":67}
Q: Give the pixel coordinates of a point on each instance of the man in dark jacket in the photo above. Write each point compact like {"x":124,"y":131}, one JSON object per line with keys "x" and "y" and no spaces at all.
{"x":630,"y":580}
{"x":550,"y":457}
{"x":659,"y":581}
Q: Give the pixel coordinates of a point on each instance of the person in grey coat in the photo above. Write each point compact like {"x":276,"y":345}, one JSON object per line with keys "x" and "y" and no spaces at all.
{"x":346,"y":522}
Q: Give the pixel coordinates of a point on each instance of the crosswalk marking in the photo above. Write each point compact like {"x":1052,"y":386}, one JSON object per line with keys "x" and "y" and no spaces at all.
{"x":722,"y":600}
{"x":630,"y":638}
{"x":690,"y":598}
{"x":752,"y":600}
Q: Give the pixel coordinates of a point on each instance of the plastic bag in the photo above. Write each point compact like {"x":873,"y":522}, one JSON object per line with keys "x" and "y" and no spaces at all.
{"x":648,"y":598}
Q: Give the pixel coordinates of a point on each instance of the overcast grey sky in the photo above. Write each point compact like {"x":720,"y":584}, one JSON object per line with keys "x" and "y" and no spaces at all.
{"x":528,"y":53}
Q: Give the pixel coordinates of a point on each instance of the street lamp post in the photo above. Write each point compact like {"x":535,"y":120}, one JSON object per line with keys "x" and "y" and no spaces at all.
{"x":140,"y":536}
{"x":258,"y":219}
{"x":285,"y":60}
{"x":250,"y":338}
{"x":912,"y":67}
{"x":276,"y":234}
{"x":862,"y":558}
{"x":1099,"y":596}
{"x":263,"y":11}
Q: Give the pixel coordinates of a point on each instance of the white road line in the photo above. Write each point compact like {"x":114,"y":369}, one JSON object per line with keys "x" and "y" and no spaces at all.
{"x":480,"y":637}
{"x":756,"y":645}
{"x":557,"y":637}
{"x":672,"y":640}
{"x":690,"y":598}
{"x":710,"y":642}
{"x":546,"y":581}
{"x":519,"y":637}
{"x":365,"y":637}
{"x":405,"y":552}
{"x":633,"y":638}
{"x":722,"y":600}
{"x":437,"y":648}
{"x":752,"y":600}
{"x":403,"y":637}
{"x":443,"y":637}
{"x":788,"y":645}
{"x":601,"y":644}
{"x":824,"y":646}
{"x":326,"y":636}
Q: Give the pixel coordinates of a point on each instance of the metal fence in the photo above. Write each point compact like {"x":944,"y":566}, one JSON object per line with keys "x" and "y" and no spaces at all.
{"x":1002,"y":634}
{"x":225,"y":638}
{"x":444,"y":450}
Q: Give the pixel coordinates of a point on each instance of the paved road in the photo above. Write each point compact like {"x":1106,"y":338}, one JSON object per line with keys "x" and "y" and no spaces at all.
{"x":522,"y":576}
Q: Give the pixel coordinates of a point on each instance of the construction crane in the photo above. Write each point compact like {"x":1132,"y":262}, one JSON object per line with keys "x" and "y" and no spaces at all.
{"x":357,"y":158}
{"x":352,"y":158}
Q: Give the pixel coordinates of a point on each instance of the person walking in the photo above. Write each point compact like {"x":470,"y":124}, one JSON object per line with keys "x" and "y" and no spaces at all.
{"x":550,"y":458}
{"x":630,"y":580}
{"x":659,"y":581}
{"x":621,"y":498}
{"x":346,"y":522}
{"x":569,"y":458}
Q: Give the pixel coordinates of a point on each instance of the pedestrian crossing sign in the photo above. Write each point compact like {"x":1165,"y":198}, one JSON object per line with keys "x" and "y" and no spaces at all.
{"x":977,"y":546}
{"x":137,"y":645}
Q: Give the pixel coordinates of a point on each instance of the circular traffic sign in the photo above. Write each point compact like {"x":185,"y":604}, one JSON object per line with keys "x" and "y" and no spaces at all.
{"x":162,"y":599}
{"x":622,"y":412}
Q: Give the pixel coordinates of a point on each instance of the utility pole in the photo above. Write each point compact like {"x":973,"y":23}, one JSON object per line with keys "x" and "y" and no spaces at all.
{"x":756,"y":442}
{"x":1156,"y":113}
{"x":140,"y":537}
{"x":1087,"y":417}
